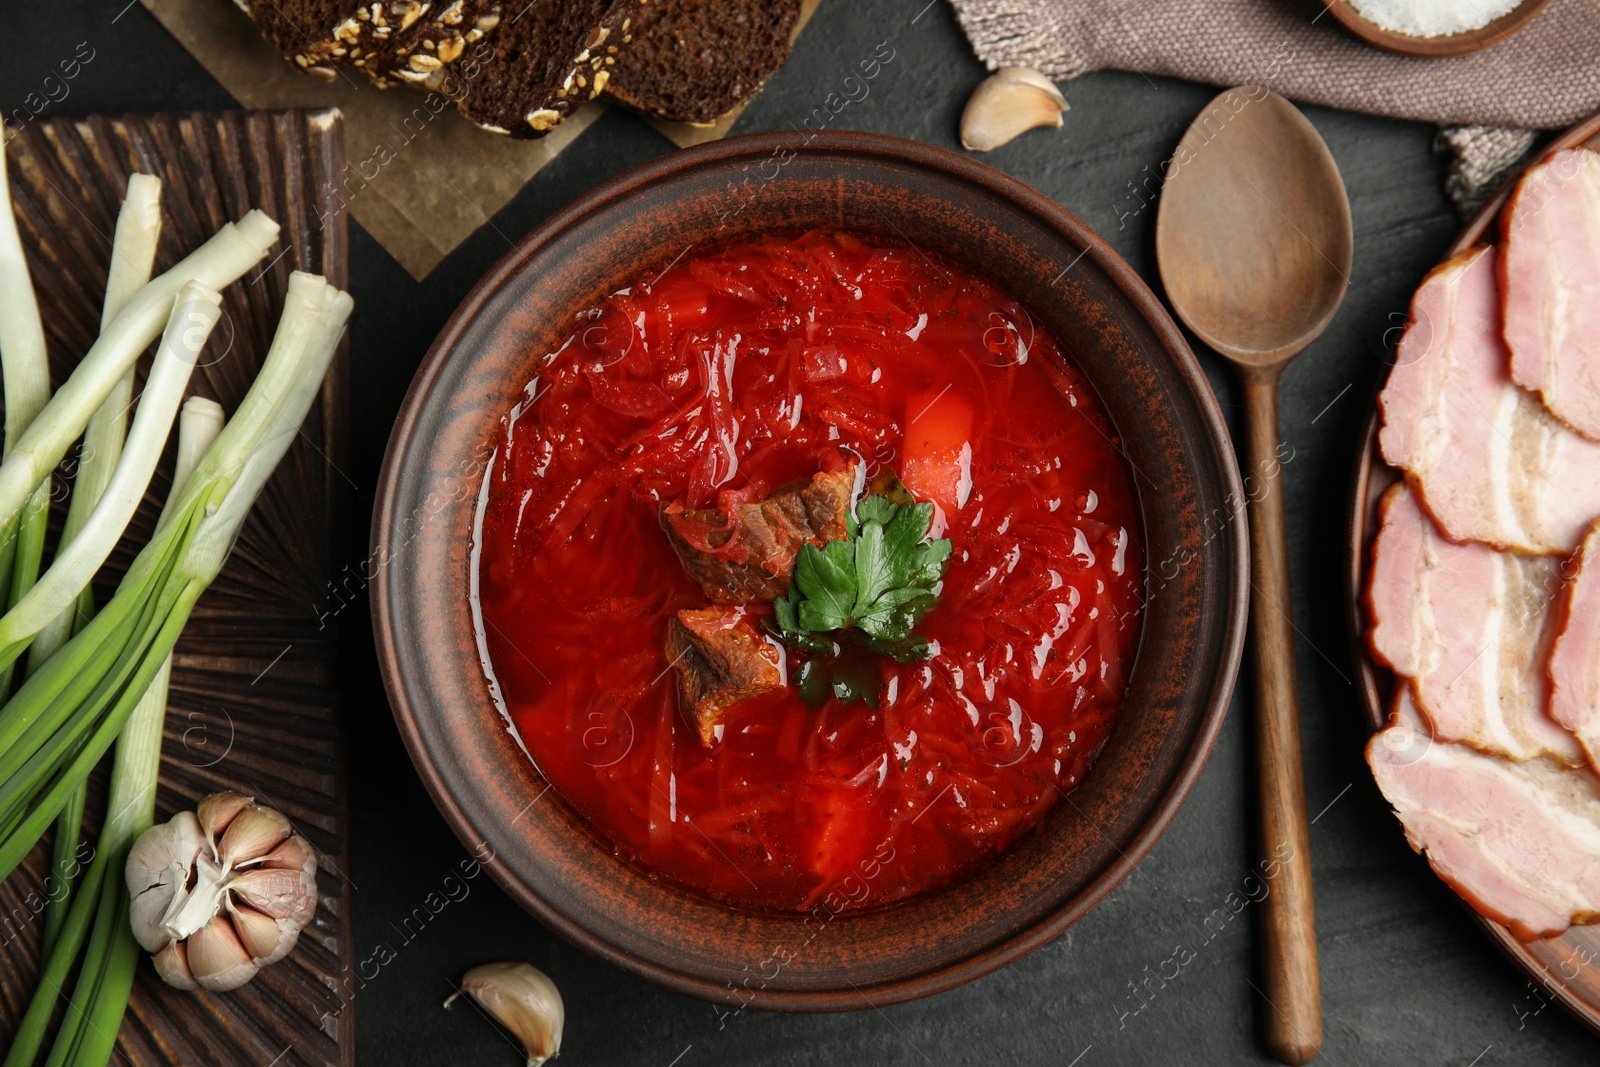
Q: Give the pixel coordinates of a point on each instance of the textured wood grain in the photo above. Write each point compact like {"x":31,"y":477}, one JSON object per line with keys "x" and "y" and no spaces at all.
{"x":254,"y":704}
{"x":1567,"y":966}
{"x":1254,"y":241}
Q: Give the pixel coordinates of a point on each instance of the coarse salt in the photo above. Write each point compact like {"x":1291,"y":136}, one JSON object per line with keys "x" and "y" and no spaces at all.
{"x":1432,"y":18}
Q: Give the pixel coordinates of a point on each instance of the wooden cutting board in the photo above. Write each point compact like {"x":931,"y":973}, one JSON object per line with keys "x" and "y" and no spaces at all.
{"x":254,"y":704}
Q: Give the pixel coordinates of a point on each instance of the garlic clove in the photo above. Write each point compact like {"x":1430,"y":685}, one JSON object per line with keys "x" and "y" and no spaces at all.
{"x":524,"y":1000}
{"x":145,"y":913}
{"x":294,"y":854}
{"x":281,"y":894}
{"x":1008,"y":103}
{"x":217,"y":958}
{"x":262,"y":936}
{"x":216,"y":811}
{"x":157,"y":874}
{"x":251,"y":834}
{"x":172,"y":964}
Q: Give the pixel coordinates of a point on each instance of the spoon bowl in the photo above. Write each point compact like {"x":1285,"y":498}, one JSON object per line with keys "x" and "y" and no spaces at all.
{"x":1254,"y":242}
{"x":1254,"y":234}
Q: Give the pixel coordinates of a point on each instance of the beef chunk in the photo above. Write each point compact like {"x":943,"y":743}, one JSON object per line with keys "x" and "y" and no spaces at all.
{"x":721,"y":661}
{"x":750,"y":554}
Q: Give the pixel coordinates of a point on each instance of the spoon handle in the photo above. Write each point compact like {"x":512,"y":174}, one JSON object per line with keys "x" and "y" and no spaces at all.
{"x":1288,"y":928}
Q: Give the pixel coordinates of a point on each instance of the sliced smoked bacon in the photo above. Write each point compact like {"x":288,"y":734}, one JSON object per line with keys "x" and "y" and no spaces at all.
{"x":1575,"y":662}
{"x":1519,"y":841}
{"x":1550,"y":277}
{"x":1471,"y":627}
{"x":1490,"y":462}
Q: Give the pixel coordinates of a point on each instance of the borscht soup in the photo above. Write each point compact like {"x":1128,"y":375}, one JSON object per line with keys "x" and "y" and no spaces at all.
{"x":809,"y":571}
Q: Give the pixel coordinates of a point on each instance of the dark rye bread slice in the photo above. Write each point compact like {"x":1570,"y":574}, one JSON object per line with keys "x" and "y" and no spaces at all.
{"x":548,"y":59}
{"x":414,"y":41}
{"x":694,"y":60}
{"x":302,"y":30}
{"x":390,"y":40}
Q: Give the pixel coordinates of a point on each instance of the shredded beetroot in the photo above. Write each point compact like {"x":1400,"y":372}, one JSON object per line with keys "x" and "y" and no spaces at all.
{"x":747,"y":369}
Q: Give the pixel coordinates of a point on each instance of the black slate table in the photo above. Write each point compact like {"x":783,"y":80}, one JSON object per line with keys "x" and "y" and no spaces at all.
{"x":1407,"y":976}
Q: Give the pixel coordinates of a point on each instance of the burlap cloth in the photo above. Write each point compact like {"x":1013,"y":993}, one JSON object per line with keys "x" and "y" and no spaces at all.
{"x":1545,"y":77}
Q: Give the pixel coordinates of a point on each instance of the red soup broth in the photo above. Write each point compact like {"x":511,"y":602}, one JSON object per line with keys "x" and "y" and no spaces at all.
{"x":733,"y":373}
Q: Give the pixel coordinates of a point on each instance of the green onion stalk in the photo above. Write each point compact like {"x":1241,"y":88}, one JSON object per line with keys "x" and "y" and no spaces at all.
{"x":133,"y":252}
{"x":191,"y":320}
{"x":234,"y":249}
{"x":65,"y":717}
{"x":35,"y":443}
{"x":105,"y":978}
{"x":26,"y":373}
{"x":194,"y":314}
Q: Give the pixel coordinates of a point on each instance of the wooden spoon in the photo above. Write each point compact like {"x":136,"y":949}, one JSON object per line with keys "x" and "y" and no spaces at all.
{"x":1253,"y":239}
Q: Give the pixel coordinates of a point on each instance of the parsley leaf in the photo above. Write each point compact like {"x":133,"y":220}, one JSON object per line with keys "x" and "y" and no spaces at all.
{"x":903,"y":535}
{"x":783,"y":611}
{"x":876,"y":569}
{"x":855,"y":682}
{"x":826,"y":578}
{"x":785,"y":625}
{"x":815,"y":684}
{"x":929,"y":563}
{"x":876,"y":509}
{"x":873,"y":587}
{"x":847,"y":680}
{"x":892,"y":615}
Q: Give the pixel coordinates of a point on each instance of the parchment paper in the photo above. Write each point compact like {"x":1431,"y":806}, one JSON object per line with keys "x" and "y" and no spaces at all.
{"x":420,"y":179}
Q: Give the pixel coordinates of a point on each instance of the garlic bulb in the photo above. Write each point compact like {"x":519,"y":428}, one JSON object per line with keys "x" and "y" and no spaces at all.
{"x":1007,"y":103}
{"x":524,"y":1000}
{"x":220,"y":892}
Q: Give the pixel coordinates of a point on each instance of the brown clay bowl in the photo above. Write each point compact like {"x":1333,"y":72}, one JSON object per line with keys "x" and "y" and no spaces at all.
{"x":633,"y":227}
{"x":1454,"y":44}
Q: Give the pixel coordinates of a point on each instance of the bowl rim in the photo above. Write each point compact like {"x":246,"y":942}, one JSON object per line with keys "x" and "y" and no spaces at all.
{"x":1212,"y":703}
{"x":1446,"y":45}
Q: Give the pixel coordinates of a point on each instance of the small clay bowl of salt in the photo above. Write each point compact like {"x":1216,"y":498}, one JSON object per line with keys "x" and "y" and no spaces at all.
{"x":1435,"y":27}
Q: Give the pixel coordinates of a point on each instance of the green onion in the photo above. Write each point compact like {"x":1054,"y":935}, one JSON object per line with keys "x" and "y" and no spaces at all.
{"x":105,"y":980}
{"x":194,"y":313}
{"x":233,"y":250}
{"x":63,"y":863}
{"x":26,"y":370}
{"x":26,"y":374}
{"x":27,"y":388}
{"x":28,"y":530}
{"x":65,"y":717}
{"x":133,"y":252}
{"x":110,"y":677}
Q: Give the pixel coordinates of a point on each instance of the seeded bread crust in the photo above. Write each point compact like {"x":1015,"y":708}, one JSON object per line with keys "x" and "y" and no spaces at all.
{"x":548,"y":59}
{"x":423,"y":39}
{"x":302,"y":31}
{"x":520,"y":73}
{"x":389,"y":41}
{"x":694,"y":60}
